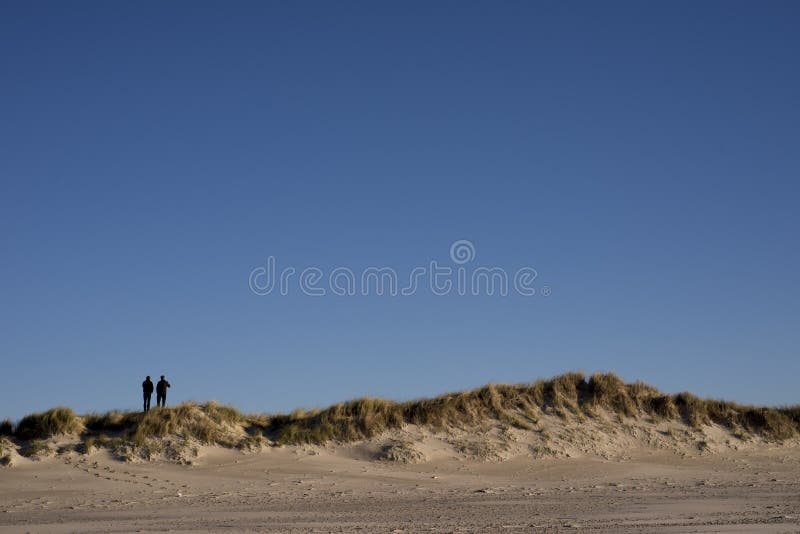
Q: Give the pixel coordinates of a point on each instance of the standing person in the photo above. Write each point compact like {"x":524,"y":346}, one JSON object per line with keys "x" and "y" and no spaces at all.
{"x":161,"y":392}
{"x":147,"y":392}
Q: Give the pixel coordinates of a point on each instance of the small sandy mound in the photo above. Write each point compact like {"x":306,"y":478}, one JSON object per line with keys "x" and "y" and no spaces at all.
{"x":399,"y":451}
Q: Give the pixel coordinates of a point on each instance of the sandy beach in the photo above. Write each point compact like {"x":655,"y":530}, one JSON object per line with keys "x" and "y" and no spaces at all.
{"x":336,"y":489}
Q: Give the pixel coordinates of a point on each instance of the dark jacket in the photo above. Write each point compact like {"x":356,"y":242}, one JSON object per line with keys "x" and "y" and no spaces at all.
{"x":147,"y":387}
{"x":161,"y":387}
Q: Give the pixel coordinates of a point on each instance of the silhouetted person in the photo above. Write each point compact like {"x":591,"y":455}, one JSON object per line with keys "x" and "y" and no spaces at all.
{"x":147,"y":391}
{"x":161,"y":392}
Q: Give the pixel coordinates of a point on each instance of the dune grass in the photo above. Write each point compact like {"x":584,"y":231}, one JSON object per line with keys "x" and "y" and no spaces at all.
{"x":208,"y":423}
{"x":91,"y":443}
{"x":6,"y":428}
{"x":520,"y":406}
{"x":37,"y":448}
{"x":53,"y":422}
{"x":113,"y":421}
{"x":222,"y":414}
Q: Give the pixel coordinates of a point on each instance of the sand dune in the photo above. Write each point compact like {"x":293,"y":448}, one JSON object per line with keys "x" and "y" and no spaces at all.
{"x":601,"y":460}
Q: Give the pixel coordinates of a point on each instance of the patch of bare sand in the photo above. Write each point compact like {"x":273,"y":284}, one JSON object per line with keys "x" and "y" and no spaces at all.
{"x":415,"y":481}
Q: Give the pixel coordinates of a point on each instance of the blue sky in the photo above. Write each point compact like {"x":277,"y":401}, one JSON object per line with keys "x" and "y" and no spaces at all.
{"x":643,"y":157}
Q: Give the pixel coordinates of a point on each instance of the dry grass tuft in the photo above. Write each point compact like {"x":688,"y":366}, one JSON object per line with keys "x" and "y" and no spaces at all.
{"x":54,"y":422}
{"x":662,"y":407}
{"x":6,"y":428}
{"x":37,"y":449}
{"x":693,"y":409}
{"x":610,"y":392}
{"x":101,"y":442}
{"x":222,"y":414}
{"x":187,"y":420}
{"x":778,"y":424}
{"x":564,"y":392}
{"x":114,"y":421}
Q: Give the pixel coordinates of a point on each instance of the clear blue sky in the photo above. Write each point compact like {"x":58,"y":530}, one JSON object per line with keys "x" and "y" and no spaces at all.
{"x":642,"y":156}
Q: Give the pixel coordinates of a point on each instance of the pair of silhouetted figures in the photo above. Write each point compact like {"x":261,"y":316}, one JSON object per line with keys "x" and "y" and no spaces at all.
{"x":161,"y":392}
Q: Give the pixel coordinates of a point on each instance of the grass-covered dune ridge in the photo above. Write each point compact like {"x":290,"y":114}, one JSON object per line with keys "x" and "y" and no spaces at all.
{"x":568,"y":396}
